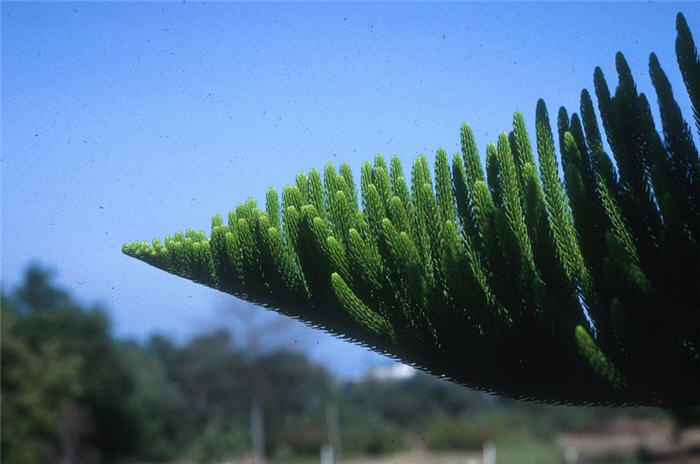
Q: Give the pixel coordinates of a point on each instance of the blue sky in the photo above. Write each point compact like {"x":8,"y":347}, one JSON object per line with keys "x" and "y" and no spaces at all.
{"x":128,"y":121}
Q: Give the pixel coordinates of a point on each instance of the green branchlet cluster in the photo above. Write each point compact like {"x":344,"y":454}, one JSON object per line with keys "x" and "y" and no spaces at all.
{"x":581,"y":292}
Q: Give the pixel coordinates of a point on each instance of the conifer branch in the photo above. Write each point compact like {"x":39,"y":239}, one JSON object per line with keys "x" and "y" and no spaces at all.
{"x":581,"y":291}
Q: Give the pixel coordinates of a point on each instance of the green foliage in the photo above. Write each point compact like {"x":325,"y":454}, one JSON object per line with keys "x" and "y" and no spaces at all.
{"x":461,"y":433}
{"x":413,"y":402}
{"x":218,"y":441}
{"x":158,"y":406}
{"x":367,"y":435}
{"x":195,"y":400}
{"x":62,"y":375}
{"x":36,"y":387}
{"x":69,"y":388}
{"x":582,"y":291}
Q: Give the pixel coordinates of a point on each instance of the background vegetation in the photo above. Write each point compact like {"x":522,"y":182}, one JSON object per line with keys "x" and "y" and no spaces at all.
{"x":71,"y":392}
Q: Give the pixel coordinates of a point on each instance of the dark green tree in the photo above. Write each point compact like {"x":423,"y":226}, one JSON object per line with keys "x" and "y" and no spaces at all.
{"x":294,"y":393}
{"x":581,"y":292}
{"x":159,"y":413}
{"x":38,"y":386}
{"x":197,"y":398}
{"x":64,"y":385}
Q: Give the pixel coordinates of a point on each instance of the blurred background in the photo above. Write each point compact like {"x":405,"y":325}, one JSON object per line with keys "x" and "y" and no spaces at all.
{"x":74,"y":393}
{"x":123,"y":121}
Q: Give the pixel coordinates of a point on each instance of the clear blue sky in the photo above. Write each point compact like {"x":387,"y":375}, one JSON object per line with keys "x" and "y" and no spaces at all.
{"x":127,"y":121}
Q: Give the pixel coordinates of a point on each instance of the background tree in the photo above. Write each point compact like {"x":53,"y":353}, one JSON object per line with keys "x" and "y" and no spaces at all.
{"x":36,"y":386}
{"x":159,"y":408}
{"x":62,"y":374}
